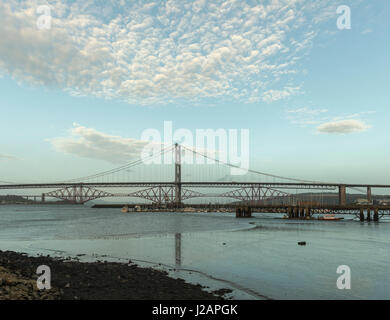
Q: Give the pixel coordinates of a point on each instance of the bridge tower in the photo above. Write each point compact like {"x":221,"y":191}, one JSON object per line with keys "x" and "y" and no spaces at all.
{"x":369,"y":194}
{"x":177,"y":175}
{"x":342,"y":195}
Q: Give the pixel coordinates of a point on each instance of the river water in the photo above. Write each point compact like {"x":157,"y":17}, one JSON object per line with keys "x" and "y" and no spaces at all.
{"x":257,"y":257}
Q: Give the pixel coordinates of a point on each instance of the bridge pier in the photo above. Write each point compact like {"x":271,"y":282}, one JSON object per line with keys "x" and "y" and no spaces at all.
{"x":290,"y":212}
{"x":368,"y":215}
{"x":376,"y":214}
{"x":342,"y":195}
{"x":243,"y":212}
{"x":298,"y":212}
{"x":178,"y":175}
{"x":361,"y":216}
{"x":369,"y":195}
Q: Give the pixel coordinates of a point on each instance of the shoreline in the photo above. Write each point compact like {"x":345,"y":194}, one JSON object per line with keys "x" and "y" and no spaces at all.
{"x":226,"y":289}
{"x":75,"y":280}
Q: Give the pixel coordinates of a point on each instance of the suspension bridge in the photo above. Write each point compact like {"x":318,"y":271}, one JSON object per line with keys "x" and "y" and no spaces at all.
{"x":261,"y":191}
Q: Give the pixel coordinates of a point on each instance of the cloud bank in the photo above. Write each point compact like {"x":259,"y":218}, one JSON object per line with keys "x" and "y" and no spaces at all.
{"x":342,"y":127}
{"x":157,"y":52}
{"x":90,"y":143}
{"x":326,"y":121}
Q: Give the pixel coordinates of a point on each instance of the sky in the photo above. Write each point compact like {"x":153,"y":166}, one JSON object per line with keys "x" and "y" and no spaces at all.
{"x":76,"y":96}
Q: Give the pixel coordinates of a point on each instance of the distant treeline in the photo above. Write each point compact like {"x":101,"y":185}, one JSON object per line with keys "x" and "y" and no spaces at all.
{"x":14,"y":199}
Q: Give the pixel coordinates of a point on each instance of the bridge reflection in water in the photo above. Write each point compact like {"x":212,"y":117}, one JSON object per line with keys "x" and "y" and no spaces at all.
{"x":178,"y":249}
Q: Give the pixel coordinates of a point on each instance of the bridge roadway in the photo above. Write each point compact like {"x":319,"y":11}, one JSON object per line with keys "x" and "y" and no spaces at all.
{"x":281,"y":185}
{"x":178,"y":191}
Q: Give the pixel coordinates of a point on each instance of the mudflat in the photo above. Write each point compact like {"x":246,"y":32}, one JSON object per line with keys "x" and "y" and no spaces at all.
{"x":72,"y":279}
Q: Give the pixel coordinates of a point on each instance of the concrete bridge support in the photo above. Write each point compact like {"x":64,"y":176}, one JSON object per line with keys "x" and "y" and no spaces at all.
{"x":376,"y":214}
{"x":361,"y":216}
{"x":368,"y":215}
{"x":290,"y":212}
{"x":177,"y":175}
{"x":295,"y":212}
{"x":369,"y":195}
{"x":342,"y":195}
{"x":243,"y":212}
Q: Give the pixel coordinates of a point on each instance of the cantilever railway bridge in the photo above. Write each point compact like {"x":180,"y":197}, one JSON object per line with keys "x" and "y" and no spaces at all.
{"x":175,"y":193}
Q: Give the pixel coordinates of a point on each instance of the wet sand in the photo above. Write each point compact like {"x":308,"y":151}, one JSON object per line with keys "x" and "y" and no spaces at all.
{"x":71,"y":279}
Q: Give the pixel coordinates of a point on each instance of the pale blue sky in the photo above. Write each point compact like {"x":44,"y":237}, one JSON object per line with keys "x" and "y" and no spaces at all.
{"x":279,"y":68}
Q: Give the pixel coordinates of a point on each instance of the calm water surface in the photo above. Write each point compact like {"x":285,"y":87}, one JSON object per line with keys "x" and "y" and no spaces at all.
{"x":258,"y":256}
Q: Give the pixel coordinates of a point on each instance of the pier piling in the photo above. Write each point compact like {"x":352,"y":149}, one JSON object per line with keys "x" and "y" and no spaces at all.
{"x":361,"y":215}
{"x":296,"y":212}
{"x":243,"y":212}
{"x":376,"y":215}
{"x":290,"y":212}
{"x":368,"y":215}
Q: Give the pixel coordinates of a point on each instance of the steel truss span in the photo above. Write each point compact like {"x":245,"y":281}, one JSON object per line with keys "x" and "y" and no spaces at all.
{"x":280,"y":185}
{"x":167,"y":192}
{"x":176,"y":191}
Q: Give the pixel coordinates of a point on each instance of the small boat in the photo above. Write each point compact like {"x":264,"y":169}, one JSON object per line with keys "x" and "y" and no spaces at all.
{"x":125,"y":209}
{"x":330,"y":217}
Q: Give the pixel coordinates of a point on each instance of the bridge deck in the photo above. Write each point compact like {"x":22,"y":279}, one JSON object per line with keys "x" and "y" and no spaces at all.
{"x":190,"y":184}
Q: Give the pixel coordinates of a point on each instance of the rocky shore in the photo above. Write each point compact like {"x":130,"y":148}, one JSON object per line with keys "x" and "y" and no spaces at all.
{"x":71,"y":279}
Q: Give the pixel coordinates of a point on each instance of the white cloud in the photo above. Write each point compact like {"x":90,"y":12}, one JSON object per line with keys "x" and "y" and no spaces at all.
{"x":7,"y":157}
{"x":326,"y":122}
{"x":275,"y":95}
{"x":149,"y":52}
{"x":342,"y":127}
{"x":90,"y":143}
{"x":306,"y":116}
{"x":307,"y":111}
{"x":93,"y":144}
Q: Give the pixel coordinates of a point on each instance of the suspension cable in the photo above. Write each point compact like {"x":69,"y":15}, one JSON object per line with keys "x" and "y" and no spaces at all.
{"x":123,"y":167}
{"x":263,"y":173}
{"x":251,"y":170}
